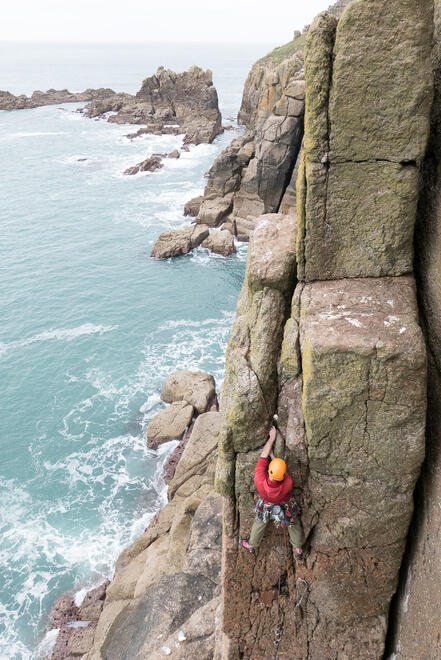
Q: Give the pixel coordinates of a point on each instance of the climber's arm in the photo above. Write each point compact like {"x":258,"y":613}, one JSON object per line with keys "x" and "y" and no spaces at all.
{"x":268,"y":448}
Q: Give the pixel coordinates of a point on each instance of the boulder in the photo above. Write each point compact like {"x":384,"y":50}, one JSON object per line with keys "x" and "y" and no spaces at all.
{"x":179,"y":241}
{"x":192,"y":207}
{"x":194,"y":387}
{"x":148,"y":165}
{"x":220,"y":242}
{"x":212,"y":212}
{"x":174,"y":154}
{"x":169,"y":424}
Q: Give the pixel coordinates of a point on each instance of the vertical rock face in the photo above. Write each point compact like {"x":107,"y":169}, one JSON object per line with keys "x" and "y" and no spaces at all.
{"x":417,"y":629}
{"x":367,"y":117}
{"x":249,"y":178}
{"x":350,"y":389}
{"x":364,"y":401}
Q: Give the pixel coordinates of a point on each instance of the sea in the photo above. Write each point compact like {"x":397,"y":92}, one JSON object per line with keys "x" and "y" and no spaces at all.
{"x":90,"y":324}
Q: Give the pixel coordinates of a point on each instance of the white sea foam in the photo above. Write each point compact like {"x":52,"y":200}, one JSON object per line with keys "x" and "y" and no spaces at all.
{"x":23,"y":134}
{"x":60,"y":334}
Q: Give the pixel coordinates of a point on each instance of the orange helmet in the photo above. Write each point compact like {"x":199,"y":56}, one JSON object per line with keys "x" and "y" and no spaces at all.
{"x":277,"y":469}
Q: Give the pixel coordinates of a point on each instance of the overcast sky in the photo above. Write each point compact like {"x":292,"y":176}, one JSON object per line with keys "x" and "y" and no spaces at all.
{"x":156,"y":20}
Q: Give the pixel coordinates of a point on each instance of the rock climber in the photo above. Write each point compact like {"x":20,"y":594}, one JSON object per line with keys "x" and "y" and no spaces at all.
{"x":276,"y":500}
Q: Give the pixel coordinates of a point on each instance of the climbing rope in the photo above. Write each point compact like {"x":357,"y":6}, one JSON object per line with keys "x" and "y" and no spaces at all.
{"x":299,"y":597}
{"x":280,"y":619}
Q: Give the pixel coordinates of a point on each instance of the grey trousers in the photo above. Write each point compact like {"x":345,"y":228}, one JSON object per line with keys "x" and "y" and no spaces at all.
{"x":295,"y":532}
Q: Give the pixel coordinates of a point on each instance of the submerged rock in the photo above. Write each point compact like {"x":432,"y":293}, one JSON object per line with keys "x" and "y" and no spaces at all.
{"x":179,"y":241}
{"x":148,"y":165}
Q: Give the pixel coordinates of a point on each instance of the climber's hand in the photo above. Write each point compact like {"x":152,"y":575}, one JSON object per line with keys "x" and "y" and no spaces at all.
{"x":272,"y":433}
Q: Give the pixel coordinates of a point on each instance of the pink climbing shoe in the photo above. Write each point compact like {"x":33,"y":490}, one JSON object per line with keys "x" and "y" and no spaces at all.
{"x":248,"y":547}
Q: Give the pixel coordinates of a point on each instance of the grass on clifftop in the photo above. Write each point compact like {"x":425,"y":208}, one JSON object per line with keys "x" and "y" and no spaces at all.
{"x":282,"y":52}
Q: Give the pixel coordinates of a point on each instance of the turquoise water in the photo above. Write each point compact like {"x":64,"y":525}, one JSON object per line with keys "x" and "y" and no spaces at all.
{"x":90,"y":324}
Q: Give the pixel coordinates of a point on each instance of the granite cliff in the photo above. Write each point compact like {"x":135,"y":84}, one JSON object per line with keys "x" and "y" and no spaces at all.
{"x":337,"y":331}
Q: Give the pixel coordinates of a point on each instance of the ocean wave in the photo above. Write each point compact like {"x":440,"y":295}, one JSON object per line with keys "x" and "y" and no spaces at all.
{"x":24,"y":134}
{"x":60,"y":334}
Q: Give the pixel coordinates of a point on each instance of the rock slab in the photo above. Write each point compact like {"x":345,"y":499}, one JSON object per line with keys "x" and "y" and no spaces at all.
{"x":179,"y":241}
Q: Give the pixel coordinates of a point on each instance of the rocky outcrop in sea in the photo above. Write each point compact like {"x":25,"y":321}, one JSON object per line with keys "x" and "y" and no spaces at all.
{"x":336,"y":332}
{"x":167,"y":103}
{"x":52,"y":97}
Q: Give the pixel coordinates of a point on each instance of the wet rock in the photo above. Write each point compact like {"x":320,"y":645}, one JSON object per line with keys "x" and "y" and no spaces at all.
{"x":63,"y":611}
{"x":172,"y":461}
{"x":174,"y":154}
{"x":60,"y":650}
{"x":192,"y":207}
{"x":195,"y":387}
{"x":92,"y":605}
{"x":179,"y":241}
{"x":169,"y":424}
{"x":220,"y":242}
{"x":148,"y":165}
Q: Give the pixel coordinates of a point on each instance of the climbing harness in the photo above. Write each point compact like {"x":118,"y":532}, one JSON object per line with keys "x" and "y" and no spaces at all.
{"x":282,"y":514}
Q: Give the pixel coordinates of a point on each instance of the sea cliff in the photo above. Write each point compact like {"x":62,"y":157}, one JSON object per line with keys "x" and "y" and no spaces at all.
{"x":336,"y":331}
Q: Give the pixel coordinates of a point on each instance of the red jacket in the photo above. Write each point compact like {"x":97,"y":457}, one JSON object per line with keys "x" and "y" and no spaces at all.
{"x":275,"y":492}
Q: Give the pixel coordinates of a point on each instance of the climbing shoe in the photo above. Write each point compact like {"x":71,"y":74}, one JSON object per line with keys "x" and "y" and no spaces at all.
{"x":248,"y":547}
{"x":299,"y":555}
